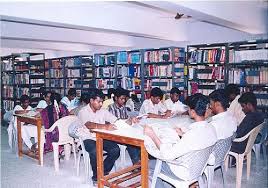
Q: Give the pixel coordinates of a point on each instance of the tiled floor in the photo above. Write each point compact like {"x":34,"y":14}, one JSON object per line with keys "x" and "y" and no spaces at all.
{"x":26,"y":173}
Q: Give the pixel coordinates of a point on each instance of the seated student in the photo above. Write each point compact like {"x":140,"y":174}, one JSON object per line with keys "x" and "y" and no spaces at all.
{"x":44,"y":103}
{"x":173,"y":104}
{"x":200,"y":136}
{"x":119,"y":110}
{"x":27,"y":131}
{"x":92,"y":116}
{"x":253,"y":118}
{"x":54,"y":111}
{"x":110,"y":99}
{"x":70,"y":100}
{"x":233,"y":93}
{"x":224,"y":123}
{"x":153,"y":107}
{"x":129,"y":101}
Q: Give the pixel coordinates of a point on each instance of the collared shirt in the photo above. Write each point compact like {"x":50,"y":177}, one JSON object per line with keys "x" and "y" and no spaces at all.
{"x":200,"y":136}
{"x":224,"y":124}
{"x":119,"y":112}
{"x":149,"y":107}
{"x":236,"y":110}
{"x":106,"y":103}
{"x":69,"y":104}
{"x":100,"y":116}
{"x":177,"y":107}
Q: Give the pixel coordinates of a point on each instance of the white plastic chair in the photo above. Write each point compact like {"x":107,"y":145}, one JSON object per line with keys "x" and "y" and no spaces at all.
{"x":240,"y":157}
{"x":195,"y":162}
{"x":257,"y":147}
{"x":64,"y":139}
{"x":219,"y":152}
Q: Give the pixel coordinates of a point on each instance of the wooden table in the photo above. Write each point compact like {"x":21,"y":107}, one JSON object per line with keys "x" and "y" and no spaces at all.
{"x":33,"y":121}
{"x":127,"y":137}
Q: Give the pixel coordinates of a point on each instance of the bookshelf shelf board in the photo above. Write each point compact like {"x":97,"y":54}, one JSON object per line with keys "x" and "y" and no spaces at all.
{"x":22,"y":70}
{"x":97,"y":66}
{"x":193,"y":64}
{"x":158,"y":63}
{"x":7,"y":71}
{"x":252,"y":85}
{"x":158,"y":77}
{"x":250,"y":63}
{"x":57,"y":78}
{"x":73,"y":67}
{"x":105,"y":78}
{"x":127,"y":64}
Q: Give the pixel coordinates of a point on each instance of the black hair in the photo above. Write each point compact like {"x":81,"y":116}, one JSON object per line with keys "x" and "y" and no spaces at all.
{"x":232,"y":89}
{"x":72,"y":92}
{"x":248,"y":97}
{"x":120,"y":91}
{"x":199,"y":103}
{"x":220,"y":96}
{"x":24,"y":98}
{"x":96,"y":93}
{"x":84,"y":98}
{"x":110,"y":92}
{"x":157,"y":92}
{"x":135,"y":98}
{"x":175,"y":90}
{"x":46,"y":92}
{"x":55,"y":96}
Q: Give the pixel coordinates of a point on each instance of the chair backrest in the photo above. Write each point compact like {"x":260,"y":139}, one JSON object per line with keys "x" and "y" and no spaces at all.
{"x":252,"y":136}
{"x":195,"y":162}
{"x":221,"y":149}
{"x":264,"y":131}
{"x":63,"y":125}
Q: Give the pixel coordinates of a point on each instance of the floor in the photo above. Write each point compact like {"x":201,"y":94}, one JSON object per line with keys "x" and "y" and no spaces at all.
{"x":26,"y":173}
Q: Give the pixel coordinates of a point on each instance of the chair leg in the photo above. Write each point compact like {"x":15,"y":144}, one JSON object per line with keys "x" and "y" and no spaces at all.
{"x":122,"y":155}
{"x":264,"y":151}
{"x":78,"y":163}
{"x":56,"y":156}
{"x":223,"y":175}
{"x":157,"y":170}
{"x":226,"y":162}
{"x":239,"y":170}
{"x":74,"y":151}
{"x":248,"y":164}
{"x":209,"y":172}
{"x":42,"y":148}
{"x":67,"y":151}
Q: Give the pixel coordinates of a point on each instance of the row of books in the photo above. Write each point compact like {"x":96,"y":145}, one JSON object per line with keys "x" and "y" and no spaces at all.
{"x":262,"y":98}
{"x":56,"y":83}
{"x":249,"y":76}
{"x":22,"y":78}
{"x":7,"y":91}
{"x":101,"y":60}
{"x":37,"y":81}
{"x":22,"y":91}
{"x":73,"y":73}
{"x":55,"y":63}
{"x":129,"y":83}
{"x":247,"y":55}
{"x":203,"y":72}
{"x":104,"y":84}
{"x":128,"y":71}
{"x":128,"y":57}
{"x":7,"y":66}
{"x":73,"y":62}
{"x":7,"y":78}
{"x":158,"y":70}
{"x":21,"y":67}
{"x":163,"y":84}
{"x":104,"y":72}
{"x":179,"y":55}
{"x":158,"y":56}
{"x":207,"y":56}
{"x":205,"y":87}
{"x":8,"y":105}
{"x":56,"y":73}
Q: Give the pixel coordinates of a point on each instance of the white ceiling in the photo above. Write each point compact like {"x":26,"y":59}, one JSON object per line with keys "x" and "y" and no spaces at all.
{"x":73,"y":28}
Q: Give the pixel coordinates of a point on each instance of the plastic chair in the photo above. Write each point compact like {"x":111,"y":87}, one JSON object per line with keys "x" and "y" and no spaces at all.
{"x":64,"y":139}
{"x":195,"y":162}
{"x":220,"y":151}
{"x":257,"y":147}
{"x":240,"y":157}
{"x":88,"y":170}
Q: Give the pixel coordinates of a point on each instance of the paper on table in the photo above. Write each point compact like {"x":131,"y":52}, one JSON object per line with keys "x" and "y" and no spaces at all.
{"x":121,"y":124}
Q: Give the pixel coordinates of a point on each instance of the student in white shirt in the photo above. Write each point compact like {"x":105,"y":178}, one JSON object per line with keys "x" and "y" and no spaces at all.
{"x":200,"y":136}
{"x":27,"y":131}
{"x":44,"y":103}
{"x":69,"y":101}
{"x":173,"y":104}
{"x":233,"y":93}
{"x":110,"y":99}
{"x":223,"y":122}
{"x":153,"y":107}
{"x":92,"y":116}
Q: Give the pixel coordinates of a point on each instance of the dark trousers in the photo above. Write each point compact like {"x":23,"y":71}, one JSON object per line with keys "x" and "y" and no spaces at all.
{"x":134,"y":153}
{"x":113,"y":152}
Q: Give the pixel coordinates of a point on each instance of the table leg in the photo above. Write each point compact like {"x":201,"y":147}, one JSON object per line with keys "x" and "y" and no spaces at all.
{"x":100,"y":170}
{"x":19,"y":139}
{"x":39,"y":142}
{"x":144,"y":167}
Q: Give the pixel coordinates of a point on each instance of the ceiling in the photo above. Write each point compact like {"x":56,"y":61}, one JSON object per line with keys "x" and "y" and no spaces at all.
{"x":80,"y":28}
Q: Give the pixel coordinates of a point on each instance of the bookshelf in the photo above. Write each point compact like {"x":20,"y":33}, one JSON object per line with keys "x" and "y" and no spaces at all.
{"x":69,"y":72}
{"x":206,"y":65}
{"x":163,"y":68}
{"x":248,"y":68}
{"x":22,"y":73}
